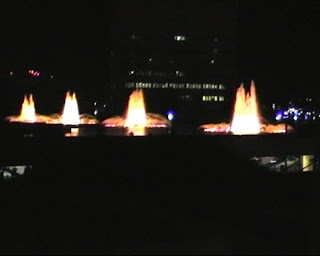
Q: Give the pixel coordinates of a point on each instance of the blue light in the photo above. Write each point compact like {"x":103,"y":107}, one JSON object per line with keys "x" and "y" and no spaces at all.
{"x":170,"y":115}
{"x":279,"y":115}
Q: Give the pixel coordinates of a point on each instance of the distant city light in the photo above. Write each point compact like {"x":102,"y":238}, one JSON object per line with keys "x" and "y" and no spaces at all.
{"x":11,"y":73}
{"x":295,"y":117}
{"x":180,"y":38}
{"x":33,"y":72}
{"x":170,"y":115}
{"x":278,"y":117}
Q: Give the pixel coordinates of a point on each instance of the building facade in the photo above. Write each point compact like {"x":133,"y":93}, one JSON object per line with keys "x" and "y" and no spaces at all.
{"x":183,"y":56}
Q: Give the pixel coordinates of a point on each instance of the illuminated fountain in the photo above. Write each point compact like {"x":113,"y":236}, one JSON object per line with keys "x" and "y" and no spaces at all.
{"x":137,"y":120}
{"x":28,"y":113}
{"x":70,"y":114}
{"x":246,"y":117}
{"x":70,"y":118}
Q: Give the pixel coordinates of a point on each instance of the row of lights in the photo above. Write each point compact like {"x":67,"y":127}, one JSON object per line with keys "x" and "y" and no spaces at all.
{"x":295,"y":114}
{"x":31,"y":72}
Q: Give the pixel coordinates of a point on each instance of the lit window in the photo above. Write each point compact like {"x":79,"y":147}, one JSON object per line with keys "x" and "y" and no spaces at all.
{"x":209,"y":98}
{"x":221,"y":98}
{"x":215,"y":51}
{"x":131,"y":72}
{"x":129,"y":85}
{"x":180,"y":38}
{"x":221,"y":87}
{"x":179,"y":73}
{"x":212,"y":62}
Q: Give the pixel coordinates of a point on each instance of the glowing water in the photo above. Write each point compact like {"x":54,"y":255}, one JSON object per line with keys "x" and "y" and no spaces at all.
{"x":70,"y":114}
{"x":28,"y":112}
{"x":137,"y":119}
{"x":246,"y":119}
{"x":136,"y":113}
{"x":246,"y":116}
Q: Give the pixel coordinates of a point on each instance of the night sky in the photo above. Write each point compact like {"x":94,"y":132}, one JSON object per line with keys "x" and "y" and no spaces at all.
{"x":279,"y":47}
{"x":277,"y":43}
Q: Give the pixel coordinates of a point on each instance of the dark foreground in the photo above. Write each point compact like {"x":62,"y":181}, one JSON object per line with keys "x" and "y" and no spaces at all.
{"x":153,"y":195}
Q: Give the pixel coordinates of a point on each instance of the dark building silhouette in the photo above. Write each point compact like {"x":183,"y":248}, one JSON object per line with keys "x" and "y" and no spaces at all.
{"x":182,"y":55}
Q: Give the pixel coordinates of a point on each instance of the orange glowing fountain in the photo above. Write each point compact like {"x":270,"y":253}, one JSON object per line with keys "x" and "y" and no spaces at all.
{"x":28,"y":110}
{"x":136,"y":114}
{"x":137,"y":119}
{"x":70,"y":114}
{"x":28,"y":113}
{"x":246,"y":118}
